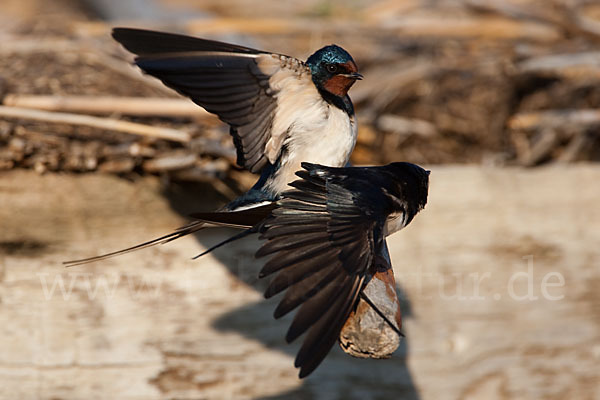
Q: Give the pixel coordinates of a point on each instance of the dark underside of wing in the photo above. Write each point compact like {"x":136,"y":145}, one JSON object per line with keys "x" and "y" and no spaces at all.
{"x":322,"y":245}
{"x":224,"y":79}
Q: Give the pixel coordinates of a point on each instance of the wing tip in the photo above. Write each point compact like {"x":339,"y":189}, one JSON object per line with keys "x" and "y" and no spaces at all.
{"x":304,"y":372}
{"x":310,"y":166}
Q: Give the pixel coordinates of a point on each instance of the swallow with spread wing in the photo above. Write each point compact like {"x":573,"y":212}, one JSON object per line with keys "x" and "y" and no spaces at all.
{"x":281,"y":111}
{"x":323,"y":236}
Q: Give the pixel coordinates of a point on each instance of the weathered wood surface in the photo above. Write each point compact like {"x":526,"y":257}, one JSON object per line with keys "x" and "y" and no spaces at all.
{"x":156,"y":325}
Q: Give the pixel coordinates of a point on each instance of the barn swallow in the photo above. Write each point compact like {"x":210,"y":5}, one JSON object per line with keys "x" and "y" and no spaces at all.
{"x":281,"y":111}
{"x":323,"y":238}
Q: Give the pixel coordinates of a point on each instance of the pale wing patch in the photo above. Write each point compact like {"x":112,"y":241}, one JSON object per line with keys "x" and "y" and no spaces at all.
{"x":268,"y":63}
{"x":253,"y":205}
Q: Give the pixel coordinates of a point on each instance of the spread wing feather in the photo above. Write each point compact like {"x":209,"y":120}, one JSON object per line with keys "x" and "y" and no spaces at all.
{"x":291,"y":257}
{"x":225,"y":79}
{"x":325,"y":332}
{"x":141,"y":41}
{"x":322,"y":239}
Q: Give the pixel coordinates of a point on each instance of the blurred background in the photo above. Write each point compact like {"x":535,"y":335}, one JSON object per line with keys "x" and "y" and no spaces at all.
{"x":498,"y":276}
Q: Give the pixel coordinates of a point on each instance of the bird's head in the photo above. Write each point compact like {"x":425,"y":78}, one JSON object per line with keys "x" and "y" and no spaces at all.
{"x":333,"y":70}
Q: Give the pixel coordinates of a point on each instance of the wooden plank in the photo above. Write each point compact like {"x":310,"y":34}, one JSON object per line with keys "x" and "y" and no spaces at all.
{"x":162,"y":326}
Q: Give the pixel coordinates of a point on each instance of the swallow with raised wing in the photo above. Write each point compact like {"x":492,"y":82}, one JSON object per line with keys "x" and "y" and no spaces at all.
{"x":281,"y":111}
{"x":323,"y":237}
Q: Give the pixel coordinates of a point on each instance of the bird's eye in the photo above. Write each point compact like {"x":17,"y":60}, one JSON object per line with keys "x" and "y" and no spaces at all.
{"x":332,"y":68}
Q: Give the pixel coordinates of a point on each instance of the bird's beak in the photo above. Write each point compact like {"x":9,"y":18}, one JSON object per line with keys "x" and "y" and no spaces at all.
{"x":353,"y":75}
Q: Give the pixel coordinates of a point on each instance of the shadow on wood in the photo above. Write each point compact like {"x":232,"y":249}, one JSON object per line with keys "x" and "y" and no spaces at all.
{"x":255,"y":321}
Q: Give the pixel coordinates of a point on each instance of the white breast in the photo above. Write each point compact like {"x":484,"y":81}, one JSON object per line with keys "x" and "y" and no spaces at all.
{"x":310,"y":129}
{"x":394,"y":223}
{"x":326,"y":137}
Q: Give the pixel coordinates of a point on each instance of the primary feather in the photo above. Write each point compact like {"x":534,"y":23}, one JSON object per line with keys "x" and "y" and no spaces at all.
{"x":323,"y":237}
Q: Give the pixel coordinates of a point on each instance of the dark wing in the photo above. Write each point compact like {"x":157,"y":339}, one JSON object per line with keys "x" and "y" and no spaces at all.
{"x":142,"y":41}
{"x":227,"y":80}
{"x":323,"y":240}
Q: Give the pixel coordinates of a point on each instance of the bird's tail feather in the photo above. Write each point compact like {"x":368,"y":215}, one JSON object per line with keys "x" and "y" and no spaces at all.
{"x":183,"y":231}
{"x":242,"y":219}
{"x":233,"y":238}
